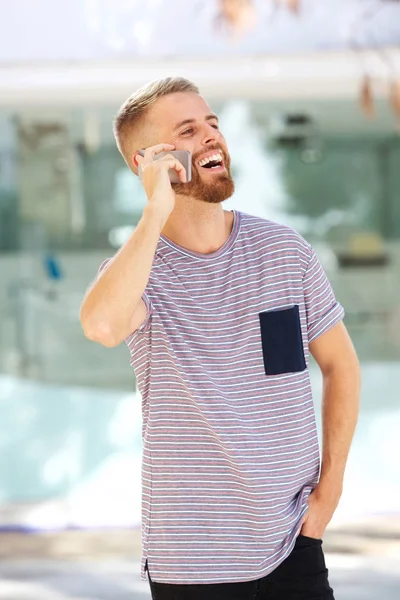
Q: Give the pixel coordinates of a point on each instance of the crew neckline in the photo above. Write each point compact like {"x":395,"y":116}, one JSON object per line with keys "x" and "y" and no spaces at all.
{"x":228,"y":244}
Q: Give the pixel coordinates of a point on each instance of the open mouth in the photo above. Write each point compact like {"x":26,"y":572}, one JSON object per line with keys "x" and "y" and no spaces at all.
{"x":213,"y":162}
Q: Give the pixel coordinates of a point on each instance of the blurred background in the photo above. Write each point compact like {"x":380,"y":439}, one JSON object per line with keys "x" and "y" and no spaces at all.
{"x":308,"y":94}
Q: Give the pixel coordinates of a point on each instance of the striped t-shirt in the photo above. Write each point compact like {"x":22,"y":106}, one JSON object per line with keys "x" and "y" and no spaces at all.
{"x":230,"y":448}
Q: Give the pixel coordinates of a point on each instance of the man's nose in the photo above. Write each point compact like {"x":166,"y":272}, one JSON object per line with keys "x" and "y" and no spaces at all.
{"x":210,"y":135}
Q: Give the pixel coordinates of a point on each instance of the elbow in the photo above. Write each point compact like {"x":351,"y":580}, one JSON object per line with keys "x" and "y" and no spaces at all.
{"x":99,"y":332}
{"x":345,"y":369}
{"x":102,"y":335}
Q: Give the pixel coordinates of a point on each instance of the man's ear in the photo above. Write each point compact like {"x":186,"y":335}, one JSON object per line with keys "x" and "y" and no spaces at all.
{"x":135,"y":163}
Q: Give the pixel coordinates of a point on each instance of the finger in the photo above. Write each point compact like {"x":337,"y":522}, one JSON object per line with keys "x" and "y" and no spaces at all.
{"x":150,"y":152}
{"x":169,"y":162}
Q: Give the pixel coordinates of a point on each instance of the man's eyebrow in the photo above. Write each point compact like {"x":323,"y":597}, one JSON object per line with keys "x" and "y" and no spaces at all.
{"x":210,"y":117}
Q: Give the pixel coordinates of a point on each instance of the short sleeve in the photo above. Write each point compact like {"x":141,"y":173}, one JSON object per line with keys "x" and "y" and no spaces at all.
{"x":103,"y":265}
{"x":322,"y":309}
{"x":145,"y":299}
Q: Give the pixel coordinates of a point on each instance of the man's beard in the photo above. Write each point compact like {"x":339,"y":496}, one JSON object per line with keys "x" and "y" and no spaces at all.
{"x":219,"y":189}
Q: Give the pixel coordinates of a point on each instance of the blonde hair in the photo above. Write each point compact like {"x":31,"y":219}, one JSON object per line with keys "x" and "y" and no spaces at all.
{"x":131,"y":113}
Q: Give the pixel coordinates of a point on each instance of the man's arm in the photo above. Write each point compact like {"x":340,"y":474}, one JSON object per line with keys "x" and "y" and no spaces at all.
{"x":112,"y":307}
{"x":337,"y":359}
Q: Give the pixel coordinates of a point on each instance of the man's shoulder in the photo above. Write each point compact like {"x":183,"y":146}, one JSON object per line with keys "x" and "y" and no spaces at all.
{"x":273,"y":231}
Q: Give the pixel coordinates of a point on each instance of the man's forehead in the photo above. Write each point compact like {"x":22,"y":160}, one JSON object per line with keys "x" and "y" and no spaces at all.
{"x":170,"y":110}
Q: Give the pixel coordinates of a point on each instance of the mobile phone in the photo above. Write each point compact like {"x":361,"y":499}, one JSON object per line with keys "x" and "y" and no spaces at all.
{"x":184,"y":157}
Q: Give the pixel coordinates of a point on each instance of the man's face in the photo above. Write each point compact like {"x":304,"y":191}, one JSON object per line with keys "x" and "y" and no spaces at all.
{"x":186,"y":121}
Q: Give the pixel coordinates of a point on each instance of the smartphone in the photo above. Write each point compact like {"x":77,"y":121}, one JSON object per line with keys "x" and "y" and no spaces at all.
{"x":184,"y":157}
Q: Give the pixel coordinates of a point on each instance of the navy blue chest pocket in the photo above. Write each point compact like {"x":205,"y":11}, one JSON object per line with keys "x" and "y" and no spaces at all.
{"x":282,"y":342}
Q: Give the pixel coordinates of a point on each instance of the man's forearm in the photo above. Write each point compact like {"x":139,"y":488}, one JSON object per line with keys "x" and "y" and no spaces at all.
{"x":340,"y":407}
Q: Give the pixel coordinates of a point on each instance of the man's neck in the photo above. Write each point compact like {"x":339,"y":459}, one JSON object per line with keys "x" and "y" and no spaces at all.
{"x":198,"y":226}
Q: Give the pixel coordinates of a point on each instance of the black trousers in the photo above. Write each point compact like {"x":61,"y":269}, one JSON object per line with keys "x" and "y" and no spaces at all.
{"x":301,"y":576}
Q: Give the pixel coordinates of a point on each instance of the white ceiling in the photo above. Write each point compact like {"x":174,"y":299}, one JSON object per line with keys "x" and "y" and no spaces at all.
{"x":317,"y":76}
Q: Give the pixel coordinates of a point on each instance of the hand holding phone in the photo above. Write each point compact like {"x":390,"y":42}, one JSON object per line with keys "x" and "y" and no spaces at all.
{"x":183,"y":156}
{"x":154,"y":172}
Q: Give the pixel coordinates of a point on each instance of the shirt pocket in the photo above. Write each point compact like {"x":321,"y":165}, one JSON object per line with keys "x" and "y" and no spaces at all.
{"x":282,"y":342}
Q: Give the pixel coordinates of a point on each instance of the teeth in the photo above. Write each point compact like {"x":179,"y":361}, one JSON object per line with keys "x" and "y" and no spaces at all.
{"x":214,"y":157}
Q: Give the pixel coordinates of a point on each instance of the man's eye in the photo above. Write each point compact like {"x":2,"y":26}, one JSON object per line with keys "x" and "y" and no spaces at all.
{"x":187,"y":131}
{"x":215,"y":126}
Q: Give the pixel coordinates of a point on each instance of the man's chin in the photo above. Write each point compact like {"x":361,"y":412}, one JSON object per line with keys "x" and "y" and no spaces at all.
{"x":213,"y":192}
{"x":216,"y":193}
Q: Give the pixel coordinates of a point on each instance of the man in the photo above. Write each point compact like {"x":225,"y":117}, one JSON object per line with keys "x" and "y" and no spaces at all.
{"x":220,"y":311}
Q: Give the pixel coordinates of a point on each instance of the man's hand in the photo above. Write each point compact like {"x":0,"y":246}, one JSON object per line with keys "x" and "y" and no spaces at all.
{"x":155,"y":177}
{"x":322,"y":503}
